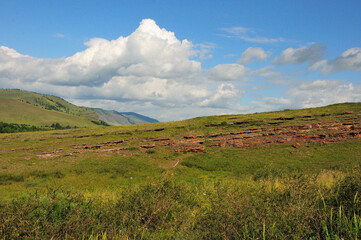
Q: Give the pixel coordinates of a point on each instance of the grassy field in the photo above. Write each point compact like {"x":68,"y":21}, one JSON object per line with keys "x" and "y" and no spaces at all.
{"x":294,"y":174}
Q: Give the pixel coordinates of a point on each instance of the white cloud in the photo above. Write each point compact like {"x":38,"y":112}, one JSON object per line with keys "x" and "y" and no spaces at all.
{"x":253,"y":53}
{"x":349,"y":60}
{"x":59,"y":35}
{"x":237,"y":31}
{"x":230,"y":55}
{"x":318,"y":85}
{"x":148,"y":52}
{"x":278,"y":101}
{"x":272,"y":76}
{"x":228,"y":72}
{"x":224,"y":93}
{"x":150,"y":67}
{"x":300,"y":55}
{"x":248,"y":34}
{"x":324,"y":92}
{"x":205,"y":50}
{"x":311,"y":94}
{"x":154,"y":73}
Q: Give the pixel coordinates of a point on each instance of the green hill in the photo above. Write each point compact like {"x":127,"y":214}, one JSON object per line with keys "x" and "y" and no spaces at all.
{"x":41,"y":110}
{"x":15,"y":111}
{"x":48,"y":102}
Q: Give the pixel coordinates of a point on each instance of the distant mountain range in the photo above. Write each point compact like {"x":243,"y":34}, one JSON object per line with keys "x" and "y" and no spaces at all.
{"x":22,"y":107}
{"x":122,"y":118}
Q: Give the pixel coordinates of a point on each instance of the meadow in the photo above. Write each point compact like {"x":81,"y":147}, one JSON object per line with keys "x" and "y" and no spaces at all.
{"x":294,"y":174}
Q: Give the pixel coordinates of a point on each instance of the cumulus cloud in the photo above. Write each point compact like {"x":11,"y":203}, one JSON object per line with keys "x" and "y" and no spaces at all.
{"x":148,"y":52}
{"x":300,"y":55}
{"x":349,"y":60}
{"x":324,"y":92}
{"x":150,"y":67}
{"x":228,"y":72}
{"x":225,"y":92}
{"x":311,"y":94}
{"x":253,"y":53}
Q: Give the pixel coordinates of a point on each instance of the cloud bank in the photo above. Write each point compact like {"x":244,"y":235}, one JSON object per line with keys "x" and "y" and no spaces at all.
{"x":154,"y":73}
{"x":149,"y":66}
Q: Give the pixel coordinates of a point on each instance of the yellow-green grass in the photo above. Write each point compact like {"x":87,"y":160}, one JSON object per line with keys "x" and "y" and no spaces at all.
{"x":19,"y":153}
{"x":264,"y":192}
{"x":14,"y":111}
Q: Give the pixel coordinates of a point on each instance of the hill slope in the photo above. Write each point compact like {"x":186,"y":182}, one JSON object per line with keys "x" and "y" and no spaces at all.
{"x":13,"y":111}
{"x":48,"y":102}
{"x":115,"y":118}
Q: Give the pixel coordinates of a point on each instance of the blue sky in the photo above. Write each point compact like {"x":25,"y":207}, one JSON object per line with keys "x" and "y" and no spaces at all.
{"x":173,"y":60}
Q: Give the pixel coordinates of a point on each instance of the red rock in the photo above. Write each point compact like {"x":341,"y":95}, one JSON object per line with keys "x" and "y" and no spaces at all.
{"x":357,"y":135}
{"x":158,"y":129}
{"x":147,"y":146}
{"x":196,"y":149}
{"x":190,"y":136}
{"x":111,"y":150}
{"x":223,"y":143}
{"x":296,"y":145}
{"x":162,"y":143}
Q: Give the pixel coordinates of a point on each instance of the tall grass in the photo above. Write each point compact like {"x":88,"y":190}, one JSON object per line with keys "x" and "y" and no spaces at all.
{"x":289,"y":208}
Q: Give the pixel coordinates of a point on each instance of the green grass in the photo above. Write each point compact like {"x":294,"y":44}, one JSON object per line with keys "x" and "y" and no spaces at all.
{"x":52,"y":188}
{"x":14,"y":111}
{"x":279,"y":161}
{"x":48,"y":102}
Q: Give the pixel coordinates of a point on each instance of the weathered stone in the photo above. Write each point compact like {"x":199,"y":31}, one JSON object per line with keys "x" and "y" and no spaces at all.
{"x":196,"y":149}
{"x":147,"y":146}
{"x":296,"y":145}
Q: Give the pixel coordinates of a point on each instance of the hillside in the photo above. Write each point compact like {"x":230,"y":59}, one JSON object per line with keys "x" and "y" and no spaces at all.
{"x":291,"y":174}
{"x":57,"y":110}
{"x":15,"y":111}
{"x":48,"y":102}
{"x":115,"y":118}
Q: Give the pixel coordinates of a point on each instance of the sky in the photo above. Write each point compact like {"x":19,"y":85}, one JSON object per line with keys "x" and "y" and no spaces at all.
{"x":173,"y":60}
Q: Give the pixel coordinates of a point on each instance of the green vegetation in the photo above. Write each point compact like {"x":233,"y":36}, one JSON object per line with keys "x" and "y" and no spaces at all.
{"x":17,"y":106}
{"x":15,"y":111}
{"x":296,"y":175}
{"x":13,"y":128}
{"x":48,"y":102}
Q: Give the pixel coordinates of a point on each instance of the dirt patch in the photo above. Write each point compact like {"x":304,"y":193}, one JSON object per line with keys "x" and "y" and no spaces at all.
{"x":147,"y":146}
{"x":52,"y":154}
{"x":111,"y":150}
{"x":96,"y":146}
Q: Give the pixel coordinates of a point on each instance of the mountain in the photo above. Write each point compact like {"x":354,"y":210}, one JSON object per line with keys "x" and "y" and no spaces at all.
{"x":22,"y":107}
{"x":115,"y":118}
